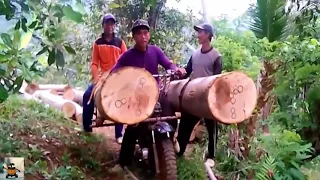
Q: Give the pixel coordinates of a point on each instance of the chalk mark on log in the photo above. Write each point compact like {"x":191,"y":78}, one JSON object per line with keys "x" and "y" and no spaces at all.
{"x":142,"y":82}
{"x":119,"y":103}
{"x":236,"y":90}
{"x":233,"y":113}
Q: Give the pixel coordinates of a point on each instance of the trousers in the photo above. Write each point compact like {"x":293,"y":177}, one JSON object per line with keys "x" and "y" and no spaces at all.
{"x":132,"y":133}
{"x":187,"y":123}
{"x":88,"y":110}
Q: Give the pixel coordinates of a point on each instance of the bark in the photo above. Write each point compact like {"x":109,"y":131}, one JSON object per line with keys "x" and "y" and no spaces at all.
{"x":67,"y":107}
{"x":78,"y":98}
{"x":264,"y":107}
{"x":57,"y":87}
{"x":154,"y":13}
{"x":69,"y":94}
{"x":229,"y":98}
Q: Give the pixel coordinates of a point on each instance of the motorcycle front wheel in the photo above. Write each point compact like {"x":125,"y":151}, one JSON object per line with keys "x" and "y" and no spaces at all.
{"x":167,"y":160}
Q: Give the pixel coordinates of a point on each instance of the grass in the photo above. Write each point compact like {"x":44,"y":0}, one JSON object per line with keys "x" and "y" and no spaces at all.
{"x":191,"y":166}
{"x":51,"y":145}
{"x":54,"y":149}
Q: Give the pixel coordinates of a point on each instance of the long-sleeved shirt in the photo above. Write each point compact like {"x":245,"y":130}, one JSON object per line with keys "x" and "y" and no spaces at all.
{"x":149,"y":59}
{"x":202,"y":64}
{"x":105,"y":54}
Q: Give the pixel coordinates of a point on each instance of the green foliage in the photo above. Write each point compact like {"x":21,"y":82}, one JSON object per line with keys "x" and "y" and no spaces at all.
{"x":171,"y":33}
{"x":289,"y":152}
{"x":267,"y":170}
{"x":269,"y":19}
{"x":237,"y":57}
{"x":50,"y":145}
{"x":298,"y":72}
{"x":15,"y":52}
{"x":191,"y":167}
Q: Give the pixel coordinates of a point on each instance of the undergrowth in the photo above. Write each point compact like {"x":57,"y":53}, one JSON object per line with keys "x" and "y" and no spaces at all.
{"x":54,"y":149}
{"x":51,"y":145}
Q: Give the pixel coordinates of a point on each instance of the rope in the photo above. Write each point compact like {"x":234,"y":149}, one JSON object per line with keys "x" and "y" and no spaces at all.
{"x":181,"y":93}
{"x":98,"y":85}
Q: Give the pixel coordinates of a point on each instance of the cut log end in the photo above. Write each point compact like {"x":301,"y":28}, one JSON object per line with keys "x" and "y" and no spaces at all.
{"x":53,"y":91}
{"x":232,"y":98}
{"x":128,"y":95}
{"x":31,"y":88}
{"x":68,"y":109}
{"x":69,"y":94}
{"x":79,"y":118}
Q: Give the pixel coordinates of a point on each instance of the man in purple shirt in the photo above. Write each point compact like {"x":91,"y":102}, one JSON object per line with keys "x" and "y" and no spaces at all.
{"x":145,"y":56}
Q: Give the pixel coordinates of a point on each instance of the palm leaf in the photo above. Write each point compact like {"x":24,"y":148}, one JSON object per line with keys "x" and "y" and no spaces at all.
{"x":269,"y":19}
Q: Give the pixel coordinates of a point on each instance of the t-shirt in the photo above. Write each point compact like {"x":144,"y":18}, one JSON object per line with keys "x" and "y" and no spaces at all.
{"x":203,"y":64}
{"x":149,"y":59}
{"x":105,"y":54}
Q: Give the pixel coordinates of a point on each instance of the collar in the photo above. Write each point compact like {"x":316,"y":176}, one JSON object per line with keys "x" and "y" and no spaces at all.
{"x":134,"y":47}
{"x":113,"y":35}
{"x":204,"y":52}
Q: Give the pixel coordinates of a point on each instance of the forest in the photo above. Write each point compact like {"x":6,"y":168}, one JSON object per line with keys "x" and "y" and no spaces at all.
{"x":276,"y":42}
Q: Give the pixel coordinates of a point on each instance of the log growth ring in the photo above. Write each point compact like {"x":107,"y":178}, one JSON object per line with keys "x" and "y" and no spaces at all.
{"x":129,"y":95}
{"x":233,"y":97}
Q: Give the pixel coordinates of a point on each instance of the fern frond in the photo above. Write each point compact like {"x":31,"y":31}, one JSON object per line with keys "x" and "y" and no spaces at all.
{"x":267,"y":170}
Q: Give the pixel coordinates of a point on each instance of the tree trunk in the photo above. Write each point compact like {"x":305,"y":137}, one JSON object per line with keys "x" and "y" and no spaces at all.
{"x":67,"y":107}
{"x":78,"y":98}
{"x":229,"y":98}
{"x":154,"y":13}
{"x":57,"y":87}
{"x":266,"y":85}
{"x":69,"y":94}
{"x":127,"y":96}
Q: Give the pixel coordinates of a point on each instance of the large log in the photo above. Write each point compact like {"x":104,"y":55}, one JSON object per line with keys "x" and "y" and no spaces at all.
{"x":229,"y":97}
{"x":74,"y":95}
{"x":57,"y":87}
{"x":66,"y":106}
{"x":31,"y":88}
{"x":78,"y":113}
{"x":69,"y":94}
{"x":127,"y":95}
{"x":27,"y":96}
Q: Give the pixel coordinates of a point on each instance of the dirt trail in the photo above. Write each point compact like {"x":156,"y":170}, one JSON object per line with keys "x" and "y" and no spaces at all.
{"x":109,"y":134}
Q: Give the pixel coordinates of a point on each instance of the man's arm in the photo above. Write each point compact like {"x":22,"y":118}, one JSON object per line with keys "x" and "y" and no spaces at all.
{"x":164,"y":61}
{"x":123,"y":47}
{"x":95,"y":61}
{"x":189,"y":68}
{"x":217,"y":66}
{"x":121,"y":62}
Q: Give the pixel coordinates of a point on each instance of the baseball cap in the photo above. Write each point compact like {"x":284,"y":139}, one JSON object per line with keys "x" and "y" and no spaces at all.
{"x":140,"y":23}
{"x":108,"y":17}
{"x":206,"y":27}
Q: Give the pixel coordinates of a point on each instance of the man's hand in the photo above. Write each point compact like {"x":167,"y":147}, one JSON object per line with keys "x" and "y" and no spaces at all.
{"x":181,"y":71}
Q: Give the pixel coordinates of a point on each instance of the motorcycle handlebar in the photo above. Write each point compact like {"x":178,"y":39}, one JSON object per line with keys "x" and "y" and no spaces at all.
{"x":169,"y":74}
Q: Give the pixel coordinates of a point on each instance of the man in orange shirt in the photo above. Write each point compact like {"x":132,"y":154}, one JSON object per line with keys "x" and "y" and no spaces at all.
{"x":106,"y":51}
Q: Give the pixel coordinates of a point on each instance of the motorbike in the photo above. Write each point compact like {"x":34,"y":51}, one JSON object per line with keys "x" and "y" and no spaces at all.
{"x":155,"y":140}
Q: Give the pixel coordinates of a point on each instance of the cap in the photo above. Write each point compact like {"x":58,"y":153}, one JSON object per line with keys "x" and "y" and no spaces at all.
{"x":108,"y":17}
{"x":206,"y":27}
{"x":140,"y":23}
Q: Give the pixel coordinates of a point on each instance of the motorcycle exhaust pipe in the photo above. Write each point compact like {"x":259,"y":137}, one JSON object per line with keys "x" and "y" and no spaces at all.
{"x":156,"y":159}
